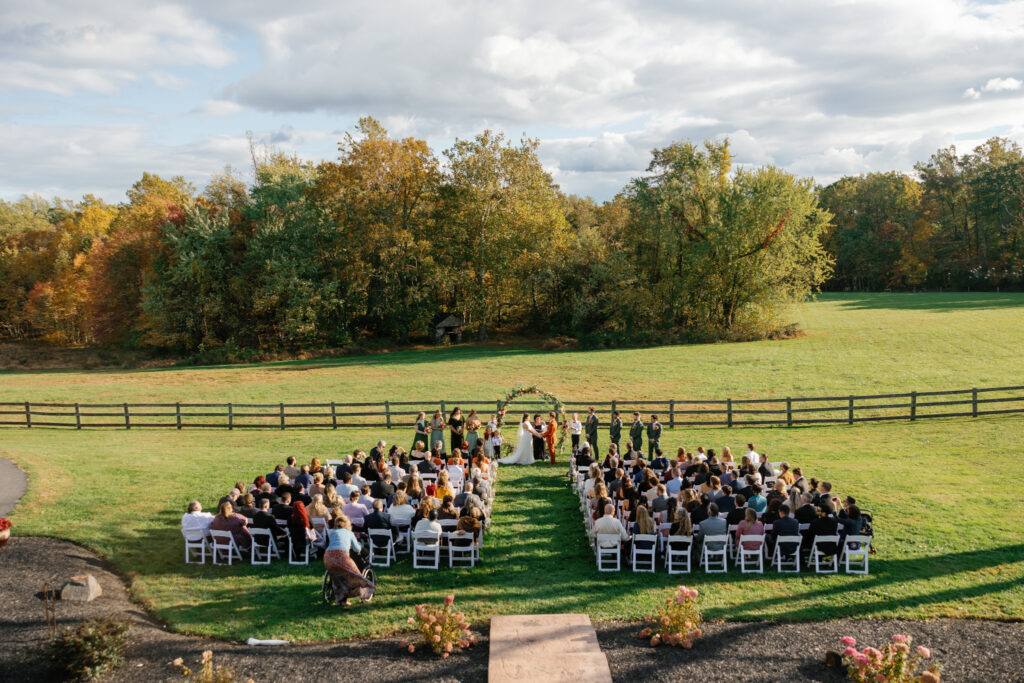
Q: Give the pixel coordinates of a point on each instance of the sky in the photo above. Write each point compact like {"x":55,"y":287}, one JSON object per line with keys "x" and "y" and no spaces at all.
{"x":92,"y":94}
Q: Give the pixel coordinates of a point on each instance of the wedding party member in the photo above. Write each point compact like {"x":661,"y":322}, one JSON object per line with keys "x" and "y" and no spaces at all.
{"x":437,"y":426}
{"x":496,"y":441}
{"x":575,"y":429}
{"x":636,"y":433}
{"x":549,"y":435}
{"x":592,"y":423}
{"x":456,"y":427}
{"x":422,"y":431}
{"x":653,"y":436}
{"x":473,"y":425}
{"x":615,"y":431}
{"x":538,"y":437}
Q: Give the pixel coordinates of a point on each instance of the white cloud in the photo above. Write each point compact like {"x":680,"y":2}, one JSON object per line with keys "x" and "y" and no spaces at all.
{"x":998,"y":84}
{"x":971,"y":94}
{"x":218,"y":108}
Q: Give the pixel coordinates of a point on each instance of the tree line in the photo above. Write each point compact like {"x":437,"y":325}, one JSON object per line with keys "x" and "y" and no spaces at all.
{"x":386,"y":239}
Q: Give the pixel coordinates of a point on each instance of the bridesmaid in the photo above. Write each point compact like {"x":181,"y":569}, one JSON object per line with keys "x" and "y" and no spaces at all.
{"x":437,"y":426}
{"x":422,"y":430}
{"x":457,"y":425}
{"x":473,"y":424}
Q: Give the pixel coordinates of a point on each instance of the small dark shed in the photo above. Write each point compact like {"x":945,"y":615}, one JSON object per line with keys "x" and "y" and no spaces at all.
{"x":449,"y":329}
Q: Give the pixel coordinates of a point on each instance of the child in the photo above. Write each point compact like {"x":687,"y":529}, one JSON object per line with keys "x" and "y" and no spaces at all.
{"x":496,"y":442}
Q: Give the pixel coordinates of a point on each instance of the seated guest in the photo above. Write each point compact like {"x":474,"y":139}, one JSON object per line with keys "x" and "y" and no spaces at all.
{"x":195,"y":519}
{"x":749,"y":480}
{"x":365,"y":499}
{"x":700,"y":513}
{"x":726,"y":500}
{"x":400,"y":510}
{"x":784,"y":526}
{"x":265,"y":492}
{"x":824,"y":493}
{"x":283,"y":509}
{"x":481,"y":486}
{"x":660,"y":462}
{"x":727,"y":455}
{"x":300,"y":528}
{"x":757,"y":502}
{"x":317,"y":487}
{"x":826,"y":524}
{"x":771,"y":513}
{"x":660,"y":501}
{"x":751,"y":527}
{"x":346,"y":487}
{"x":426,"y":505}
{"x":712,"y":526}
{"x":331,"y":497}
{"x":272,"y":478}
{"x":447,"y":509}
{"x":799,"y":482}
{"x":357,"y":476}
{"x":291,"y":470}
{"x":318,"y":509}
{"x":264,"y":520}
{"x":785,"y":474}
{"x":851,"y":521}
{"x":246,"y":506}
{"x":355,"y":510}
{"x":299,"y":493}
{"x":681,"y":524}
{"x":232,"y":498}
{"x":673,"y":484}
{"x":609,"y":524}
{"x":315,"y":466}
{"x":765,"y":470}
{"x":467,"y":497}
{"x":778,"y":492}
{"x":378,"y":519}
{"x":383,"y":489}
{"x":428,"y":523}
{"x":469,"y":522}
{"x":229,"y":520}
{"x":456,"y":458}
{"x":739,"y":511}
{"x":419,"y":451}
{"x":807,"y":512}
{"x":583,"y":459}
{"x":644,"y":526}
{"x":414,"y":488}
{"x":703,"y":474}
{"x":254,"y":487}
{"x":443,"y":487}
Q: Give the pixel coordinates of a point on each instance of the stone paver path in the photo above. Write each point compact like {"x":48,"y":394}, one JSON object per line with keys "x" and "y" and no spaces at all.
{"x":546,"y":648}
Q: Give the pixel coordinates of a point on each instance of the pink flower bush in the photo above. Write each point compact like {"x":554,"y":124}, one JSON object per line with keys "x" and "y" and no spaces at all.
{"x":895,"y":662}
{"x":442,"y":629}
{"x":678,"y":622}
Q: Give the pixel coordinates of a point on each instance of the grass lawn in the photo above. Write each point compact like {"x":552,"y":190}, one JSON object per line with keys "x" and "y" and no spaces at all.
{"x":945,"y":495}
{"x":854,"y":344}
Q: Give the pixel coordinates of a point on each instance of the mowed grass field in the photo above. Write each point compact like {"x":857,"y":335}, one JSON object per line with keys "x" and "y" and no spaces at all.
{"x":853,"y":344}
{"x":945,"y":492}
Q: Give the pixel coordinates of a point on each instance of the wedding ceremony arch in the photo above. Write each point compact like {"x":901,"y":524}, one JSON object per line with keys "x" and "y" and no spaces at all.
{"x":556,"y":405}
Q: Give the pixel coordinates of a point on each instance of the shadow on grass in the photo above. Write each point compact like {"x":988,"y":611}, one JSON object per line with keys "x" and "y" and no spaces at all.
{"x":929,"y":301}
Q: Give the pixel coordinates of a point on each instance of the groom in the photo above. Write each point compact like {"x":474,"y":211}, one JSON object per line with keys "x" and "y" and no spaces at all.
{"x":538,"y":438}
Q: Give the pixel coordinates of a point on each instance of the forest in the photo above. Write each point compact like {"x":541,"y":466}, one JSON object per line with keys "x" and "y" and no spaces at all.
{"x":377,"y":245}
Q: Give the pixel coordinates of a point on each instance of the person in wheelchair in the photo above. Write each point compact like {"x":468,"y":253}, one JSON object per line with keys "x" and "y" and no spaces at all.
{"x":347,"y":579}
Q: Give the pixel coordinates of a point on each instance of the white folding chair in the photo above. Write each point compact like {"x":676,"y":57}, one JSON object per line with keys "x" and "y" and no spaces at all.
{"x":610,"y":553}
{"x":717,"y":555}
{"x":663,"y":530}
{"x":426,"y":550}
{"x":677,"y":550}
{"x":320,"y":524}
{"x":292,"y":557}
{"x":787,"y":563}
{"x":644,"y":556}
{"x":264,"y":549}
{"x":403,"y":544}
{"x":749,"y":555}
{"x":818,"y":557}
{"x":732,"y":540}
{"x":461,"y":549}
{"x":381,"y":542}
{"x":195,"y":539}
{"x":857,"y":556}
{"x":224,"y":542}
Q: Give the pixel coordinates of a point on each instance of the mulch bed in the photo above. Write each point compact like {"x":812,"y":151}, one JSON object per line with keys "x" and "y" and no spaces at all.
{"x":970,"y":650}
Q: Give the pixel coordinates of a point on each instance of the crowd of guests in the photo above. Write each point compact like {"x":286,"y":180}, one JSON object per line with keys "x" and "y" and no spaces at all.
{"x":383,"y":489}
{"x":703,"y":493}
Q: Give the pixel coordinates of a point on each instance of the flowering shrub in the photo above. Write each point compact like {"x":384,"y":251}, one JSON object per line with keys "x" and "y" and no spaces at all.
{"x":5,"y":524}
{"x":92,"y":649}
{"x":896,"y":662}
{"x":208,"y":673}
{"x":442,"y":629}
{"x":678,"y":622}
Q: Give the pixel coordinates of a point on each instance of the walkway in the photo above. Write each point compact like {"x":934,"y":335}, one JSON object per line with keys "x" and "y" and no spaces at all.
{"x":13,"y":483}
{"x":546,"y":648}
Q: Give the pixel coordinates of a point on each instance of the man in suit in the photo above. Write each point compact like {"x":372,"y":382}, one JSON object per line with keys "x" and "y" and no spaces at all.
{"x":383,"y":489}
{"x":377,"y":452}
{"x":636,"y":433}
{"x":264,"y":519}
{"x":346,"y":466}
{"x":591,"y":429}
{"x":824,"y":493}
{"x":283,"y":510}
{"x":784,"y":526}
{"x":748,"y":488}
{"x":826,"y":524}
{"x":583,"y":458}
{"x":273,"y":476}
{"x":702,"y":512}
{"x":739,"y":510}
{"x":806,"y":513}
{"x":615,"y":431}
{"x":304,"y":478}
{"x":424,"y":467}
{"x":660,"y":462}
{"x":538,"y":438}
{"x":378,"y":519}
{"x":712,"y":526}
{"x":653,"y":436}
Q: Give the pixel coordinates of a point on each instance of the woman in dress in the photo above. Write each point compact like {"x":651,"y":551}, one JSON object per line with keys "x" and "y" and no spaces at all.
{"x":487,"y":445}
{"x":457,"y":427}
{"x":422,"y":431}
{"x":346,"y":579}
{"x":229,"y":520}
{"x":473,"y":425}
{"x":523,"y":454}
{"x":437,"y":426}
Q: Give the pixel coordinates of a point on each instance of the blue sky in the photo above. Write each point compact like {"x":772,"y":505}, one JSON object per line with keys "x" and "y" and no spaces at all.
{"x":94,"y":94}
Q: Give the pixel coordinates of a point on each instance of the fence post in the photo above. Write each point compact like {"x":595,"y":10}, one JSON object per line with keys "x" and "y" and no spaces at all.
{"x":913,"y":406}
{"x":850,"y":417}
{"x":728,"y":412}
{"x":789,"y":412}
{"x":281,"y":408}
{"x":444,"y":410}
{"x":615,"y":405}
{"x":177,"y":414}
{"x":974,"y":403}
{"x":231,"y":417}
{"x":28,"y":415}
{"x":387,"y":413}
{"x":334,"y":416}
{"x":671,"y":414}
{"x":78,"y":417}
{"x":127,"y":419}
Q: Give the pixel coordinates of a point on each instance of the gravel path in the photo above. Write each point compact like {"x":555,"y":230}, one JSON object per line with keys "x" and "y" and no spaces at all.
{"x":13,"y":483}
{"x":970,"y":650}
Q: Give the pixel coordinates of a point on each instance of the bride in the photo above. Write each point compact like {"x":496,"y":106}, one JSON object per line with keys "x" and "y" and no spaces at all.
{"x":523,"y":454}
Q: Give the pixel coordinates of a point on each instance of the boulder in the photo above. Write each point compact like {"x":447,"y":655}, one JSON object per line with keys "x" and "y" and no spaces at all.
{"x":81,"y":588}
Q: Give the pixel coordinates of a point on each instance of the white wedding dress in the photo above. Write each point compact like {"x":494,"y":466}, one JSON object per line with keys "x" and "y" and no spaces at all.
{"x":523,"y":454}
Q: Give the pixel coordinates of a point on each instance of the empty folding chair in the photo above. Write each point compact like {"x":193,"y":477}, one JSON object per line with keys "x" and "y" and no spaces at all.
{"x":644,"y":547}
{"x":195,"y":539}
{"x":264,"y":549}
{"x":818,"y":556}
{"x":732,"y":540}
{"x":605,"y":555}
{"x":426,"y":550}
{"x":224,"y":546}
{"x":382,"y":547}
{"x":403,"y":543}
{"x":754,"y":556}
{"x":663,"y":531}
{"x":461,"y":549}
{"x":714,"y":550}
{"x":677,"y":552}
{"x":786,"y":556}
{"x":857,"y":555}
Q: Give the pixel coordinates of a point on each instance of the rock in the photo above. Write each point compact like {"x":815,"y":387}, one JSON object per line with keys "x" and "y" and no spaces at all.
{"x":81,"y":588}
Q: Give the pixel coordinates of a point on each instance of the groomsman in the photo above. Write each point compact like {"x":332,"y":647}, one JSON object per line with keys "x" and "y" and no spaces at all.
{"x":615,"y":432}
{"x":591,"y":428}
{"x":653,"y":436}
{"x":636,"y":433}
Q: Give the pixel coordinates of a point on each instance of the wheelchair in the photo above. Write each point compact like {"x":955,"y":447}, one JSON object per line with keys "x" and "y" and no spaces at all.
{"x":362,"y":560}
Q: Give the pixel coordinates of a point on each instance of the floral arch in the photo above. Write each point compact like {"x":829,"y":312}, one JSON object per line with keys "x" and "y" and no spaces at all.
{"x":556,"y":405}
